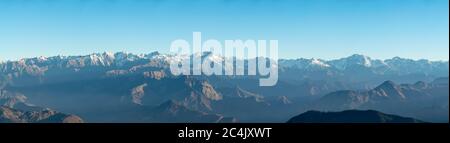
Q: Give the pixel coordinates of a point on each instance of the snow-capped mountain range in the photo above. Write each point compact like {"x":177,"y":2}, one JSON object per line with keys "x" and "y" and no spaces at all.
{"x":121,"y":58}
{"x":365,"y":61}
{"x":358,"y":68}
{"x":143,"y":84}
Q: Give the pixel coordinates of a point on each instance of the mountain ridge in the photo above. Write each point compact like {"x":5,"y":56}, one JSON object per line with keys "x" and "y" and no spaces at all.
{"x":404,"y":99}
{"x":107,"y":59}
{"x":350,"y":116}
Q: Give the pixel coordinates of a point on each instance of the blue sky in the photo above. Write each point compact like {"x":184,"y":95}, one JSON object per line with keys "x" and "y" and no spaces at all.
{"x":326,"y":29}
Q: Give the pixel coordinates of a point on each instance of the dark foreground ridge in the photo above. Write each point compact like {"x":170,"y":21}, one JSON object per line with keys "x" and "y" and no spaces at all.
{"x":350,"y":116}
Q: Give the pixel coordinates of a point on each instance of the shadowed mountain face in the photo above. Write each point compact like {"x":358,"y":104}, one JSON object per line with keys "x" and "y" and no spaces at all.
{"x":350,"y":116}
{"x":15,"y":109}
{"x":171,"y":111}
{"x":426,"y":101}
{"x":123,"y":87}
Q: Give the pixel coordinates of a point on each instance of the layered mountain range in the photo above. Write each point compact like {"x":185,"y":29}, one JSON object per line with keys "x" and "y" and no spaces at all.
{"x":15,"y":109}
{"x":428,"y":101}
{"x":124,"y":87}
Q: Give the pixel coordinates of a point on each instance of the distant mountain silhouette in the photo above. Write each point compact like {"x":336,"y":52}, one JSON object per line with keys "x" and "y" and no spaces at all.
{"x":386,"y":92}
{"x":425,"y":101}
{"x":350,"y":116}
{"x":172,"y":111}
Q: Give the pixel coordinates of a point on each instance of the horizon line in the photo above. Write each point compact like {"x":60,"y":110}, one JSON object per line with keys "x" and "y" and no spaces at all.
{"x":297,"y":58}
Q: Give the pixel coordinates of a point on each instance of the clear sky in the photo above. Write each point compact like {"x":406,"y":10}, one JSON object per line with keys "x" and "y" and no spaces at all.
{"x":326,"y":29}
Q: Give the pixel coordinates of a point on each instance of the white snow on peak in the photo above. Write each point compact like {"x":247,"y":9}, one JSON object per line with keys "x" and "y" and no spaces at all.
{"x":42,"y":58}
{"x":319,"y":62}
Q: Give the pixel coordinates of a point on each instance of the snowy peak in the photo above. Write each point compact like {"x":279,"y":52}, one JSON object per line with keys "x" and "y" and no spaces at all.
{"x":319,"y":62}
{"x":152,"y":55}
{"x":352,"y":60}
{"x":304,"y":63}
